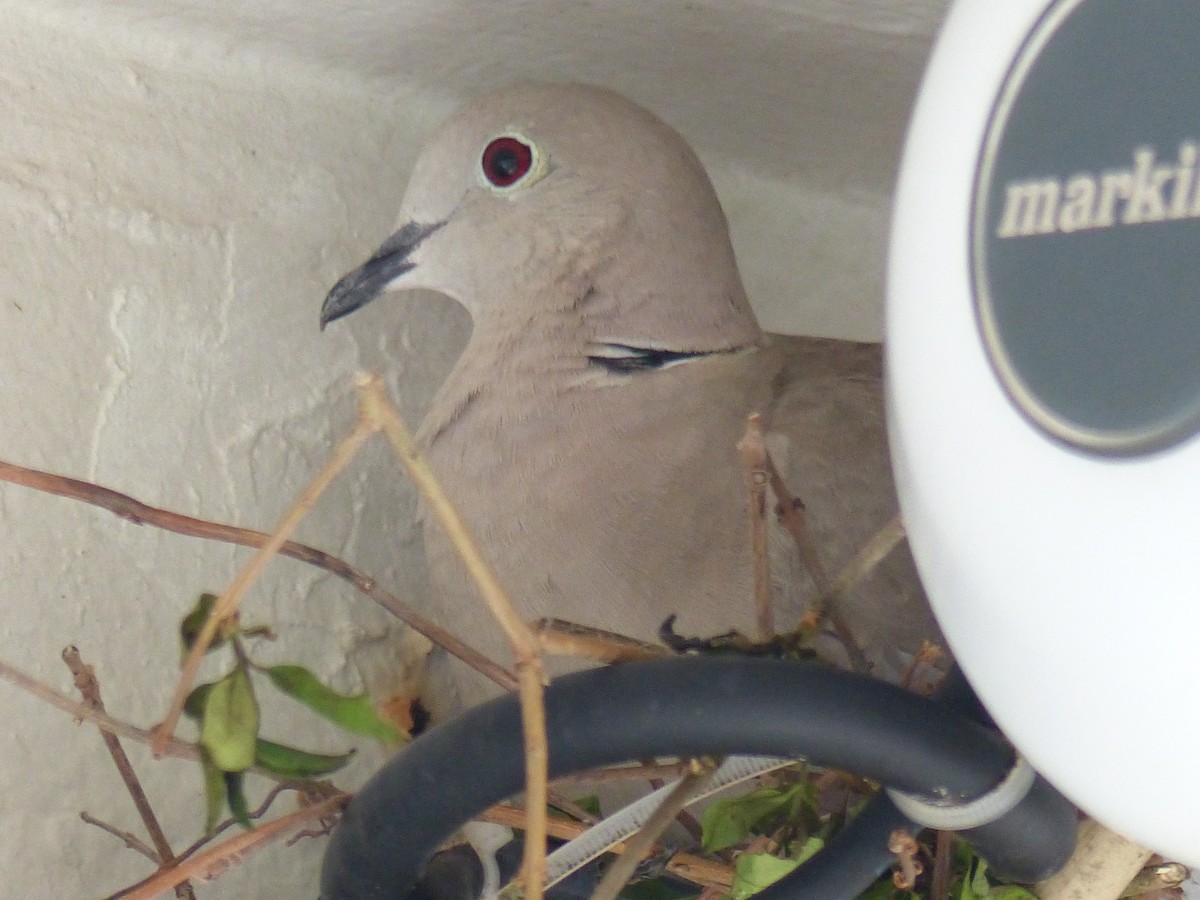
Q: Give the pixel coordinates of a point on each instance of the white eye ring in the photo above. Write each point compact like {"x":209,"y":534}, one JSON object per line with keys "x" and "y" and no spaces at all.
{"x":509,"y":161}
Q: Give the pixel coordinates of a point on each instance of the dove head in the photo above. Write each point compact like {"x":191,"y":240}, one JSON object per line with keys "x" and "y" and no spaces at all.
{"x":564,"y":199}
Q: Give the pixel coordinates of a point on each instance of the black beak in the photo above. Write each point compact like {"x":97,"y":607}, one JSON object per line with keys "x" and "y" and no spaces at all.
{"x":367,"y":282}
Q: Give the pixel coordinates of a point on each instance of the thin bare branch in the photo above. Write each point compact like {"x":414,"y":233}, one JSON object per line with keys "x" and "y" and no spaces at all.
{"x":753,"y":450}
{"x":272,"y":795}
{"x":794,"y":519}
{"x":132,"y":841}
{"x":1156,"y":880}
{"x":376,"y":408}
{"x":793,"y":516}
{"x":81,"y":711}
{"x":761,"y":471}
{"x":89,"y":687}
{"x":227,"y":604}
{"x":696,"y":869}
{"x":870,"y":555}
{"x":176,"y":748}
{"x":229,"y":853}
{"x":139,"y":513}
{"x":560,"y":638}
{"x":643,"y":842}
{"x":943,"y":857}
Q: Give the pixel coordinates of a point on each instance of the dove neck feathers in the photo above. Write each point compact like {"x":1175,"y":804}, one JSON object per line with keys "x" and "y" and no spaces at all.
{"x":522,"y":358}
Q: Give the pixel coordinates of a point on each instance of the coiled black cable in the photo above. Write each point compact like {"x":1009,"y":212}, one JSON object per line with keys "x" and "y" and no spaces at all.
{"x":691,"y":707}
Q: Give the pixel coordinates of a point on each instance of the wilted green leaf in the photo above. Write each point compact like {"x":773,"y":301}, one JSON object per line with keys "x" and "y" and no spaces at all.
{"x":754,"y":871}
{"x":288,"y":762}
{"x":214,"y":793}
{"x":729,"y":822}
{"x":237,"y":799}
{"x":354,"y":713}
{"x":193,"y":623}
{"x":230,"y":725}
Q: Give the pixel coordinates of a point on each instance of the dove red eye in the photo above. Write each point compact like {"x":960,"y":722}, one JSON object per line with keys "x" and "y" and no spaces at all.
{"x":506,"y":160}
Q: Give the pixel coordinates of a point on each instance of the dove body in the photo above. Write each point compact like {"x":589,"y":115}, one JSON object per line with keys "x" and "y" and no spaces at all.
{"x":588,"y":432}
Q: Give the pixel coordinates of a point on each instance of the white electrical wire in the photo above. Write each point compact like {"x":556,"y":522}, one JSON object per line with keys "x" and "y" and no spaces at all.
{"x":577,"y":853}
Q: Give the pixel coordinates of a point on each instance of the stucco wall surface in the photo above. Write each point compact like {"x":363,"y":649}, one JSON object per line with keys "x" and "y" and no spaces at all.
{"x":169,"y":223}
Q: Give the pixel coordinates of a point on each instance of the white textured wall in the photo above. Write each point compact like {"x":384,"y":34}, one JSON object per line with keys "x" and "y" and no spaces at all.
{"x":169,"y":223}
{"x":171,"y":214}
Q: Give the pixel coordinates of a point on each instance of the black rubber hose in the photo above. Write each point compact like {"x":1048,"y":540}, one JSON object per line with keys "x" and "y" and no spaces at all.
{"x":686,"y":707}
{"x":850,"y":862}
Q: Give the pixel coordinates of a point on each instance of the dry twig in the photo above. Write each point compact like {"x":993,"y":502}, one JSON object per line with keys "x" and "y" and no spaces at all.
{"x":760,"y":472}
{"x":227,"y":604}
{"x":1156,"y":880}
{"x":89,"y":687}
{"x":698,"y":870}
{"x":103,"y":721}
{"x":906,"y":848}
{"x":560,"y":638}
{"x":943,"y":856}
{"x":139,"y":513}
{"x":382,"y":415}
{"x":643,"y":842}
{"x":130,"y":840}
{"x":870,"y":555}
{"x":212,"y":862}
{"x":268,"y":801}
{"x":755,"y":461}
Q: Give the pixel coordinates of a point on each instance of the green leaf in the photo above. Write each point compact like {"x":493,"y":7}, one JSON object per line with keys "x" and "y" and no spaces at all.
{"x":230,"y":726}
{"x":729,"y":822}
{"x":193,"y":706}
{"x":288,"y":762}
{"x":754,"y":871}
{"x":590,"y":803}
{"x":214,"y":792}
{"x":193,"y":623}
{"x":237,"y":799}
{"x":979,"y":880}
{"x":354,"y":713}
{"x":1010,"y":892}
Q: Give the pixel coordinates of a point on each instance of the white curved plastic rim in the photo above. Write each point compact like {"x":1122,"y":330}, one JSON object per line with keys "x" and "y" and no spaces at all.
{"x":1067,"y":585}
{"x":982,"y":810}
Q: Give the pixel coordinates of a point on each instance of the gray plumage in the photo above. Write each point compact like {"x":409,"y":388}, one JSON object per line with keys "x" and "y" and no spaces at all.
{"x":588,"y":431}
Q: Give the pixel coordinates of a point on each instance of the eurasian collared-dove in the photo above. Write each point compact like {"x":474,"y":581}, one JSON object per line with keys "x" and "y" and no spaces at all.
{"x":588,"y":431}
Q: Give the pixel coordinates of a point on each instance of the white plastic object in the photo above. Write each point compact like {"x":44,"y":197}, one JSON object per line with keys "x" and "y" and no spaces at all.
{"x":604,"y":835}
{"x":982,"y":810}
{"x":486,"y":838}
{"x":1067,"y":581}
